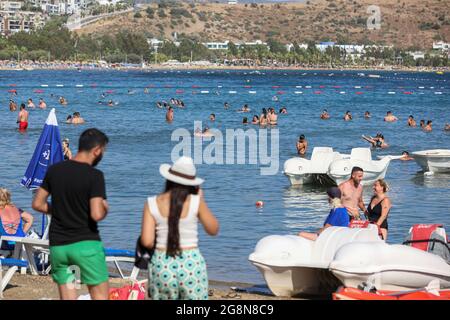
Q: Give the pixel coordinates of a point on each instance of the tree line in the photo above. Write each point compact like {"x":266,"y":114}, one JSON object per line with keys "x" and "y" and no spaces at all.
{"x":55,"y":42}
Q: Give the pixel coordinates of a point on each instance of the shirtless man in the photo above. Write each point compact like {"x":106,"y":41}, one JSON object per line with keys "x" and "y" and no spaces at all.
{"x":42,"y":104}
{"x":169,"y":115}
{"x":31,"y":104}
{"x":12,"y":106}
{"x":390,"y":117}
{"x":302,"y":145}
{"x":352,"y":191}
{"x":77,"y":119}
{"x":22,"y":119}
{"x":428,"y":127}
{"x":411,"y":121}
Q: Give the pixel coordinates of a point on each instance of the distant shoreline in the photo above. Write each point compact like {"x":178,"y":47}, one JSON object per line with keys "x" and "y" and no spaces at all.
{"x":156,"y":67}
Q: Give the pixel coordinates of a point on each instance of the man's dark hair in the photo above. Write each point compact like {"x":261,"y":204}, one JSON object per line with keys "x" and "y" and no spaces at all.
{"x":357,"y":169}
{"x":92,"y":138}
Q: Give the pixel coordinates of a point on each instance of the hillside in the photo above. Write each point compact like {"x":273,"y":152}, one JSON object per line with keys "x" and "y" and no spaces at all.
{"x":404,"y":23}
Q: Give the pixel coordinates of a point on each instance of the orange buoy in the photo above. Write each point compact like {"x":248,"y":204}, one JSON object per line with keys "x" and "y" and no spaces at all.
{"x":259,"y":204}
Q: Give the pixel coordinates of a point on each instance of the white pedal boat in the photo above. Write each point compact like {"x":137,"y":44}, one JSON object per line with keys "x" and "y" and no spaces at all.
{"x":433,"y":161}
{"x":340,"y":170}
{"x":388,"y":267}
{"x":303,"y":171}
{"x":294,"y":265}
{"x":329,"y":167}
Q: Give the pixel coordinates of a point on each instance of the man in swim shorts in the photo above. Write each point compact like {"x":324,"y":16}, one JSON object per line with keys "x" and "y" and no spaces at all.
{"x":22,"y":119}
{"x":352,"y":193}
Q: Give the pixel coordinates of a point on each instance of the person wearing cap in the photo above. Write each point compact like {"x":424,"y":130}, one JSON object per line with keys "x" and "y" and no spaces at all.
{"x":177,"y":270}
{"x":338,"y":216}
{"x":302,"y":145}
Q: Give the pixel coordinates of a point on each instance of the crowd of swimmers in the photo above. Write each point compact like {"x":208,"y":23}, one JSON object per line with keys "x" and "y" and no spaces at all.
{"x":172,"y":103}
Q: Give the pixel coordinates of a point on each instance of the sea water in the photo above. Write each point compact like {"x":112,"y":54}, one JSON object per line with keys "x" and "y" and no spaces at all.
{"x":140,"y":140}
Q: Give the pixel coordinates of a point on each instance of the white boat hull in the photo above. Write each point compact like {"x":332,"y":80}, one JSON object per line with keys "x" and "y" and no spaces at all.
{"x":328,"y":167}
{"x":433,"y":161}
{"x":292,"y":281}
{"x":388,"y":267}
{"x":293,"y":265}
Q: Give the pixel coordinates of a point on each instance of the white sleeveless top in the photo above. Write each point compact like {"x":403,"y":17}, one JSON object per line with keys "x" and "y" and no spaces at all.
{"x":187,"y":225}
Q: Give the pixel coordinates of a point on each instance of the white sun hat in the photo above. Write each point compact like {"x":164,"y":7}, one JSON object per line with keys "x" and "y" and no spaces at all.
{"x":182,"y":171}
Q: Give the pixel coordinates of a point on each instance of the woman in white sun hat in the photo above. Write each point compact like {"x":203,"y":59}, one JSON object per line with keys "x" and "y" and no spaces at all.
{"x":177,"y":270}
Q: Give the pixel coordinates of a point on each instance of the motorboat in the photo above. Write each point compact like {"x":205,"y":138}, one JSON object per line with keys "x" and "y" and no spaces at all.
{"x":433,"y":161}
{"x":303,"y":171}
{"x":388,"y":267}
{"x":329,"y":167}
{"x":341,"y":169}
{"x":293,"y":265}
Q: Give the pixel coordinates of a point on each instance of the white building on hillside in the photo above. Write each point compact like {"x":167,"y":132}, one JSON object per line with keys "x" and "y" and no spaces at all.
{"x":290,"y":46}
{"x":441,"y":45}
{"x":10,"y":5}
{"x":417,"y":55}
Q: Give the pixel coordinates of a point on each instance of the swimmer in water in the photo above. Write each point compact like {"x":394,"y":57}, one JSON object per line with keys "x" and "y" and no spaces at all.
{"x":428,"y":127}
{"x":31,"y":104}
{"x":367,"y":115}
{"x":159,"y":105}
{"x":245,"y":108}
{"x":422,"y":123}
{"x":348,"y":116}
{"x":12,"y":106}
{"x":325,"y":115}
{"x":110,"y":103}
{"x":273,"y":118}
{"x":390,"y":117}
{"x":245,"y":120}
{"x":62,"y":101}
{"x":226,"y":105}
{"x":283,"y":110}
{"x":69,"y":119}
{"x":447,"y":127}
{"x":42,"y":104}
{"x":263,"y":117}
{"x":377,"y":142}
{"x":77,"y":119}
{"x":212,"y":117}
{"x":169,"y":115}
{"x":255,"y":119}
{"x":411,"y":122}
{"x":405,"y":156}
{"x":302,"y":145}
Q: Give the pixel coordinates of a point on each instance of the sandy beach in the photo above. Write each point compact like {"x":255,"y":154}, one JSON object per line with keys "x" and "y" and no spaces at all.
{"x":29,"y":287}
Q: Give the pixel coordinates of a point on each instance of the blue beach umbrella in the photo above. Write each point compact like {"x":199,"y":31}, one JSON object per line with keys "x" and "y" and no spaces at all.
{"x":47,"y":152}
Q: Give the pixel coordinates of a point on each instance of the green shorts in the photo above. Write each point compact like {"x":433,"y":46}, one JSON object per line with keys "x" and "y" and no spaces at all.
{"x":83,"y":260}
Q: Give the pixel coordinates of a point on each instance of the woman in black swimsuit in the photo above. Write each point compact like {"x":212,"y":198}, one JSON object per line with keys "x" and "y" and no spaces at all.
{"x":379,"y":206}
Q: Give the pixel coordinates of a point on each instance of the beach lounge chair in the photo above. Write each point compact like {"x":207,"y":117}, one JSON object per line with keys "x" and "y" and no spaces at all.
{"x":119,"y":255}
{"x":14,"y":265}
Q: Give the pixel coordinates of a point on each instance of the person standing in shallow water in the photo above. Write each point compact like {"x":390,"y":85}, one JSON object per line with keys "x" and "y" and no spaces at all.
{"x":302,"y":145}
{"x":169,"y":115}
{"x":78,"y":202}
{"x":22,"y":119}
{"x":177,"y":270}
{"x":379,"y":207}
{"x":352,"y":193}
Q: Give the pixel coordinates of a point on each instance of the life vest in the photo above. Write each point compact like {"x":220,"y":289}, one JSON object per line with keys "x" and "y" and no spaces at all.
{"x":429,"y":237}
